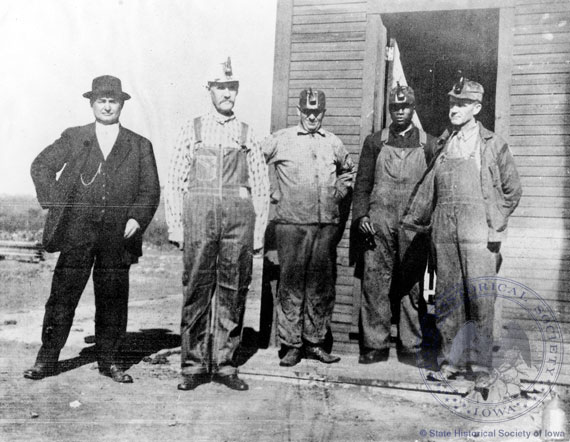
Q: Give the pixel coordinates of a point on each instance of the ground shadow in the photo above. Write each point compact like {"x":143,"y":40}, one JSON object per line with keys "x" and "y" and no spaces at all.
{"x":136,"y":346}
{"x":249,"y":344}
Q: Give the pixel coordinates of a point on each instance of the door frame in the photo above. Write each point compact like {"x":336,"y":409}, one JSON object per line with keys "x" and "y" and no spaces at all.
{"x":504,"y":49}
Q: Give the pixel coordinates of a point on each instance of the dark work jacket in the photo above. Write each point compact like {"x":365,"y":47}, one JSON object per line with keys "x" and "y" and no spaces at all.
{"x":500,"y":186}
{"x":367,"y":164}
{"x":365,"y":181}
{"x":131,"y":190}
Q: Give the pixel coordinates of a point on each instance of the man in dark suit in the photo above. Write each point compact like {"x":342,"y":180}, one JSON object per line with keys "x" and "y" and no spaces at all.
{"x":99,"y":207}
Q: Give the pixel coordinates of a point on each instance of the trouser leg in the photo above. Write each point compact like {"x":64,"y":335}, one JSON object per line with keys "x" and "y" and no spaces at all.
{"x":413,"y":250}
{"x":449,"y":299}
{"x":198,"y":281}
{"x":376,"y":310}
{"x":111,"y":287}
{"x":294,"y":243}
{"x":480,"y":266}
{"x":69,"y":279}
{"x":320,"y":285}
{"x":234,"y":277}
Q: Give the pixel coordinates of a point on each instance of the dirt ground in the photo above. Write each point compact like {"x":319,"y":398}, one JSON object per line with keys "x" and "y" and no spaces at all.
{"x":80,"y":405}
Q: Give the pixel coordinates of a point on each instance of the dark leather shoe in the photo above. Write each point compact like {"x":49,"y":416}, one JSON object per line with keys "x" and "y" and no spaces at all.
{"x":291,"y":358}
{"x":191,"y":381}
{"x":115,"y":373}
{"x":39,"y":371}
{"x":317,"y":353}
{"x":231,"y":381}
{"x":374,"y":355}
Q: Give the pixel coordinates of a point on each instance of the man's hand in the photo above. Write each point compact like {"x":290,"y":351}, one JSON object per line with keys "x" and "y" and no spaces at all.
{"x":131,"y":228}
{"x":494,"y":246}
{"x":365,"y":226}
{"x":342,"y":184}
{"x":179,"y":245}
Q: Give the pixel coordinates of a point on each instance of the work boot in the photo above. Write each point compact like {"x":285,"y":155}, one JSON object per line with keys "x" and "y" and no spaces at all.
{"x":291,"y":358}
{"x":317,"y":353}
{"x":231,"y":381}
{"x":114,"y":372}
{"x":40,"y":370}
{"x":374,"y":355}
{"x":447,"y":372}
{"x":191,"y":381}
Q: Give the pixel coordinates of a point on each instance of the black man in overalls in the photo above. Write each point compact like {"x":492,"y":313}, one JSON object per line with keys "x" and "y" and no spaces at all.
{"x":392,"y":162}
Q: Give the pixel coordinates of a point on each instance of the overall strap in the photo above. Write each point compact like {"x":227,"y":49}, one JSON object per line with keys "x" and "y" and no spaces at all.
{"x":198,"y":129}
{"x":384,"y":135}
{"x":423,"y":137}
{"x":243,"y":135}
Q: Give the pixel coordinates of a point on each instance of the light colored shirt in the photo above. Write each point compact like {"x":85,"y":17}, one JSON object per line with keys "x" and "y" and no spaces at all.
{"x":306,"y":169}
{"x":465,"y":143}
{"x":216,"y":130}
{"x":106,"y":136}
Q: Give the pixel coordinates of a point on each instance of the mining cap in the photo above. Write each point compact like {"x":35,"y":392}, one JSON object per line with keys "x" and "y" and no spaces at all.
{"x":312,"y":100}
{"x":467,"y":90}
{"x":225,"y":75}
{"x":402,"y":95}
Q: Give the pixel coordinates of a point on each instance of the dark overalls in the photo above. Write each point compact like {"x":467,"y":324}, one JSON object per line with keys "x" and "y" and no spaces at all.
{"x":219,"y":221}
{"x":396,"y":265}
{"x":460,"y":235}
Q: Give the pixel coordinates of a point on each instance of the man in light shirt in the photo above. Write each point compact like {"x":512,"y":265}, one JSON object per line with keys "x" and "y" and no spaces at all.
{"x":99,"y":207}
{"x":466,"y":198}
{"x":216,"y":210}
{"x":313,"y":174}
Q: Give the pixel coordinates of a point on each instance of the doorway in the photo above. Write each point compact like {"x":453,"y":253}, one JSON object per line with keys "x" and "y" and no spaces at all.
{"x":434,"y":46}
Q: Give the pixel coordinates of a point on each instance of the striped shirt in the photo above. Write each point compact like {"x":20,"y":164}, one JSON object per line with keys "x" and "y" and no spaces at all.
{"x":217,"y":130}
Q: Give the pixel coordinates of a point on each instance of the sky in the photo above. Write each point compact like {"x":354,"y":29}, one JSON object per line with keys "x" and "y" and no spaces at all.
{"x":164,"y":51}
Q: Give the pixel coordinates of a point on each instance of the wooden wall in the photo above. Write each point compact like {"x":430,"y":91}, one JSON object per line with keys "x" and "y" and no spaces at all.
{"x":333,"y":45}
{"x":537,"y":252}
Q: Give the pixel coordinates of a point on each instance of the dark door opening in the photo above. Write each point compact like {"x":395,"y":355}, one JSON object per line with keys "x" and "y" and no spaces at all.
{"x":434,"y":46}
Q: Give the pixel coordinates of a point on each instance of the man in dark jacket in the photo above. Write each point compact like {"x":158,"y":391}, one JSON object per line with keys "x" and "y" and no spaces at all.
{"x":99,"y":208}
{"x":391,"y":164}
{"x":466,"y":198}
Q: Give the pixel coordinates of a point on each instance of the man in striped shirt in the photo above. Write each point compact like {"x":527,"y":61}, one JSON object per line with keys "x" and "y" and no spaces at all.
{"x":216,"y":210}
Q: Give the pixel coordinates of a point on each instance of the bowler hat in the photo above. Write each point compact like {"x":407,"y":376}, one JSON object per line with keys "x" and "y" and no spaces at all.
{"x":106,"y":85}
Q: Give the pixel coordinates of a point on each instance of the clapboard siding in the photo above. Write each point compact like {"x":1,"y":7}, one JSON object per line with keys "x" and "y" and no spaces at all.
{"x":327,"y":48}
{"x":537,"y":251}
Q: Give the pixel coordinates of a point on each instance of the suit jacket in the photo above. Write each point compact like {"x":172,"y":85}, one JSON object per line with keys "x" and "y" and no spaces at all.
{"x":132,"y":182}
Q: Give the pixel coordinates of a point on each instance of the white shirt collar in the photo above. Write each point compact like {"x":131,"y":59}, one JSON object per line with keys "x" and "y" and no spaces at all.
{"x":106,"y":136}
